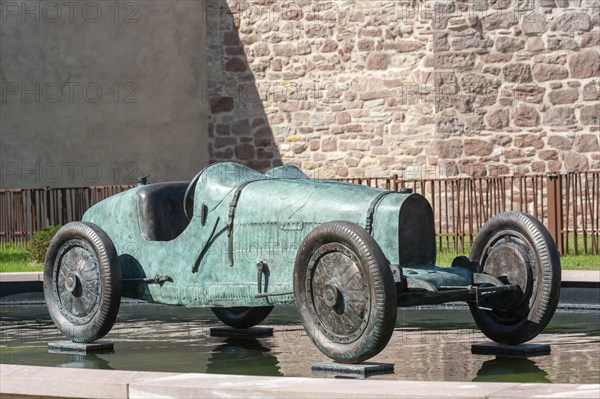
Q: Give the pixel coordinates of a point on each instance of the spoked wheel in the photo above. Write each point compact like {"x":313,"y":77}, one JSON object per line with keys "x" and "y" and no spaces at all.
{"x":82,"y":282}
{"x":517,"y":249}
{"x":345,"y":292}
{"x":242,"y":317}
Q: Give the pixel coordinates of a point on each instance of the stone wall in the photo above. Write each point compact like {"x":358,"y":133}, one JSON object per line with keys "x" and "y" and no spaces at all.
{"x":517,"y":86}
{"x":422,"y":89}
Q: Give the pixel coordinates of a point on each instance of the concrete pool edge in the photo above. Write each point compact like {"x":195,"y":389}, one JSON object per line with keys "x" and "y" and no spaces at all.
{"x":55,"y":382}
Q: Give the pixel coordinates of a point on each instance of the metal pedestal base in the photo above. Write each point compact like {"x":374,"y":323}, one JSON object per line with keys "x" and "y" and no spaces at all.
{"x":253,"y":332}
{"x":75,"y":348}
{"x":362,"y":370}
{"x":500,"y":350}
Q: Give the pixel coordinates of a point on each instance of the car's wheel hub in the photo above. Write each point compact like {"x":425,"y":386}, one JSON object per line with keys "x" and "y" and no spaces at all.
{"x":509,"y":258}
{"x":77,"y":281}
{"x":338,"y":293}
{"x":332,"y":295}
{"x":73,"y":283}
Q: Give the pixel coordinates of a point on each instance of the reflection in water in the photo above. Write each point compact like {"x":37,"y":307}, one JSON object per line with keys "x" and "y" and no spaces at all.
{"x":503,"y":369}
{"x":243,"y":356}
{"x":87,"y":362}
{"x":428,"y":344}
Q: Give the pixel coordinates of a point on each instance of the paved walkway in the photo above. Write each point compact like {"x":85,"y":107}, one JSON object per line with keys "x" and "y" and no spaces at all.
{"x":30,"y":381}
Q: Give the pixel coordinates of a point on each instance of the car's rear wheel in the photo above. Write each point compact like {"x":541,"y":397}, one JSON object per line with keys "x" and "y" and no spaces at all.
{"x":345,"y":292}
{"x":82,"y":281}
{"x":242,"y":317}
{"x":517,"y":249}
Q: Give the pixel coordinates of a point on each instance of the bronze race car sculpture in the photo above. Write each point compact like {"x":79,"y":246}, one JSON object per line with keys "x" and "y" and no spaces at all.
{"x":347,"y":255}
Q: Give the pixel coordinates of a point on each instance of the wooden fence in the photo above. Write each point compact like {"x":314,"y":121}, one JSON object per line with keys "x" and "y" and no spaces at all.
{"x":568,"y":204}
{"x":25,"y":211}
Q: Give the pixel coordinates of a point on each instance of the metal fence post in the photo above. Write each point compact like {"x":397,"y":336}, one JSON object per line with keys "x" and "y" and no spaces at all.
{"x":395,"y":182}
{"x":555,"y":211}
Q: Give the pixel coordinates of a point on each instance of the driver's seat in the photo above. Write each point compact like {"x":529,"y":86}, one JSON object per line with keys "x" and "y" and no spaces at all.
{"x":160,"y":210}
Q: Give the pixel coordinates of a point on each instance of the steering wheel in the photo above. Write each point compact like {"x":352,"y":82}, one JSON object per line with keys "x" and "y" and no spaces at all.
{"x":188,"y":190}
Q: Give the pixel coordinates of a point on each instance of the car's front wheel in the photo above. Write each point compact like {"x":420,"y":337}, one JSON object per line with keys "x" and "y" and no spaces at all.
{"x":82,"y":281}
{"x":517,"y":249}
{"x":345,"y":292}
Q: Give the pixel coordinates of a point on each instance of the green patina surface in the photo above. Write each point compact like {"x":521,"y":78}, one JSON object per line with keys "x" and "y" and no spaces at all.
{"x":275,"y":211}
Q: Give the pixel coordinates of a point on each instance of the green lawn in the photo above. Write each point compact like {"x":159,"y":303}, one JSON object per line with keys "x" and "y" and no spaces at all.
{"x":14,"y":258}
{"x":570,"y":261}
{"x":567,"y":262}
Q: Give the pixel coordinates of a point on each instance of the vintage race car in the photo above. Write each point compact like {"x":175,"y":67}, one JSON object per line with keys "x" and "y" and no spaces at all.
{"x":347,"y":255}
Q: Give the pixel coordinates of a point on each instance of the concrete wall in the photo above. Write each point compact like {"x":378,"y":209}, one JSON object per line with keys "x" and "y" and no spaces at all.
{"x":97,"y":92}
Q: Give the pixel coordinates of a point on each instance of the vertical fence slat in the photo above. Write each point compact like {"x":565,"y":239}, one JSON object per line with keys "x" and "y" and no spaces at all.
{"x":554,"y":210}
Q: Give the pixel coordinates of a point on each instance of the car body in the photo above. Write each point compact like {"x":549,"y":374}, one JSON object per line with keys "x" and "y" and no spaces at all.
{"x":344,"y":253}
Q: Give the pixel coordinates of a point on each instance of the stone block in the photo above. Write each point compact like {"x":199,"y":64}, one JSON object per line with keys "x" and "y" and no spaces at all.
{"x":377,"y":62}
{"x":591,"y":91}
{"x":235,"y":64}
{"x":449,"y":149}
{"x":562,"y":43}
{"x":499,"y":20}
{"x":575,"y":162}
{"x":68,"y":347}
{"x":498,"y":118}
{"x":250,"y":333}
{"x":587,"y":143}
{"x":546,"y":72}
{"x":563,"y":96}
{"x":221,"y":104}
{"x":560,"y":142}
{"x":244,"y":151}
{"x":590,"y":39}
{"x":590,"y":115}
{"x":525,"y":116}
{"x":529,"y":93}
{"x":529,"y":140}
{"x":455,"y":60}
{"x":362,"y":370}
{"x":518,"y":351}
{"x":585,"y":64}
{"x":577,"y":21}
{"x":440,"y":41}
{"x":535,"y":44}
{"x":517,"y":72}
{"x":329,"y":46}
{"x":560,"y":116}
{"x":478,"y":148}
{"x":509,"y":44}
